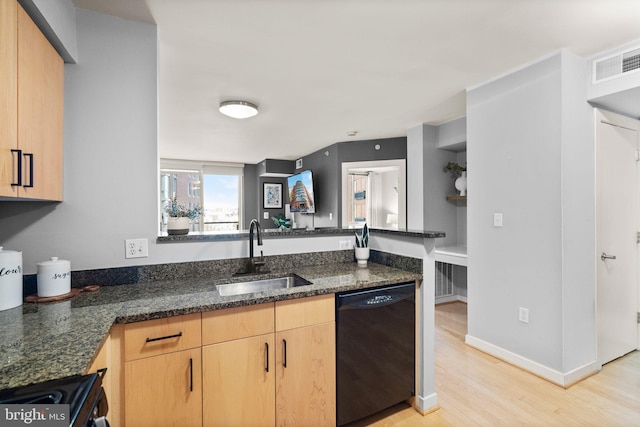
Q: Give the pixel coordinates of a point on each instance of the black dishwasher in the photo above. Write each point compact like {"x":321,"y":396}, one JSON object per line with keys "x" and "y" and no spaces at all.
{"x":375,"y":347}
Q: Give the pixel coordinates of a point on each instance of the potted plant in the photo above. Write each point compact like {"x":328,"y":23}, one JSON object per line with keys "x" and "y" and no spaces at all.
{"x":281,"y":222}
{"x":180,"y":216}
{"x":362,"y":247}
{"x":459,"y":173}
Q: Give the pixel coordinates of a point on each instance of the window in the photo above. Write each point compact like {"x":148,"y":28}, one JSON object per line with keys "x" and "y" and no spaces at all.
{"x":217,"y":188}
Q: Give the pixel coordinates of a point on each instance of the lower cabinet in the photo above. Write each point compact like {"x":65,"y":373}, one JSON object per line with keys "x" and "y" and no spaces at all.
{"x":306,"y":376}
{"x":164,"y":390}
{"x":239,"y":382}
{"x":262,"y":365}
{"x":283,"y":378}
{"x":162,"y":383}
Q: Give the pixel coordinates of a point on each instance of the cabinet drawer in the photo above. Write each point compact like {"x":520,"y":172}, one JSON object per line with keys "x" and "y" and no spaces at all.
{"x":297,"y":313}
{"x":153,"y":337}
{"x":235,"y":323}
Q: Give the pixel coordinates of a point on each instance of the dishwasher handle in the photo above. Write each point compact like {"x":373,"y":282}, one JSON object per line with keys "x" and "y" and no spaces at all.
{"x":375,"y":298}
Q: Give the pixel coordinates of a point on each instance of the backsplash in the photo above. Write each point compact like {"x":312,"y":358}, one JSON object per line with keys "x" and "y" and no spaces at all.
{"x":219,"y":268}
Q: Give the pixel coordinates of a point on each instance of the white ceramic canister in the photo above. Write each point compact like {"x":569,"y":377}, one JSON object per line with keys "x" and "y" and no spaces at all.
{"x":54,"y":277}
{"x":10,"y":279}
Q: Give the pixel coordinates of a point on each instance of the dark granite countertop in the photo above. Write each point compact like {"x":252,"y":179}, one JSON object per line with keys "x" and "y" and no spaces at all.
{"x":298,"y":232}
{"x":40,"y":342}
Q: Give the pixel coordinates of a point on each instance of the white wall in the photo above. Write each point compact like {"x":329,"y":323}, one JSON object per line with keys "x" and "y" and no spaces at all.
{"x":389,"y":195}
{"x":531,"y":155}
{"x":111,"y":166}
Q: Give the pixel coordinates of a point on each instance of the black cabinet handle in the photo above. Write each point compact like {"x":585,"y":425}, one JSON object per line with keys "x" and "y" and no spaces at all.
{"x":266,"y":354}
{"x":30,"y":156}
{"x":190,"y":374}
{"x":284,"y":347}
{"x":19,"y":164}
{"x":179,"y":334}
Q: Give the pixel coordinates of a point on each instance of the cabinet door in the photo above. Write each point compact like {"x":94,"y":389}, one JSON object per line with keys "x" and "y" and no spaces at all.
{"x":102,"y":360}
{"x":8,"y":96}
{"x":40,"y":107}
{"x":306,"y":376}
{"x":164,"y":390}
{"x":238,"y":382}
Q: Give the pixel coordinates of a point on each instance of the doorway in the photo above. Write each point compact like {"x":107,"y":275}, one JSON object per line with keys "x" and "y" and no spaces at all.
{"x":374,"y":193}
{"x":617,"y":220}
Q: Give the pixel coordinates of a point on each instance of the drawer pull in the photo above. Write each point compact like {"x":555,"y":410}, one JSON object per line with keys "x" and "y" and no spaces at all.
{"x":266,"y":354}
{"x":179,"y":334}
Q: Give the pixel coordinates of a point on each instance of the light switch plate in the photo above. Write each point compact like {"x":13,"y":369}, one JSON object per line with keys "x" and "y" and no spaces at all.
{"x":265,"y":215}
{"x":497,"y":219}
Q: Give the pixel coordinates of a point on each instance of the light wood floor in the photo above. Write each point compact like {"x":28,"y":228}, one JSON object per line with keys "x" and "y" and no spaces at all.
{"x":475,"y":389}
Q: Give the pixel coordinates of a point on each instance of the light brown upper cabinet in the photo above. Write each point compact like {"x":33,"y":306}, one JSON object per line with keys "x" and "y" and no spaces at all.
{"x":31,"y":106}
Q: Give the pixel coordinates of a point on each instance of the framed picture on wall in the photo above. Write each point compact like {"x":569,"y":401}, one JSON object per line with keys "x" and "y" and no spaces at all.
{"x":272,"y":196}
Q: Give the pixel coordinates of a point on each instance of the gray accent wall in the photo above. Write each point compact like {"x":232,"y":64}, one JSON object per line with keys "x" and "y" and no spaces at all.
{"x":530,"y":150}
{"x":326,"y":165}
{"x":250,"y":195}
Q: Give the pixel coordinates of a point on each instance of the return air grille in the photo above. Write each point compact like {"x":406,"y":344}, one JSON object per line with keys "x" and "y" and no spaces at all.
{"x":444,"y":279}
{"x":617,"y":65}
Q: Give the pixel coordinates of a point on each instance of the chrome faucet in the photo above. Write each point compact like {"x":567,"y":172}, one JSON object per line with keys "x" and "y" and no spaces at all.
{"x":254,"y":265}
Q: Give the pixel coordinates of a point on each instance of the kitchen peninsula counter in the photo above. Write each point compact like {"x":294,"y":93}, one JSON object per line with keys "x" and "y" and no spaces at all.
{"x":40,"y":342}
{"x":272,"y":233}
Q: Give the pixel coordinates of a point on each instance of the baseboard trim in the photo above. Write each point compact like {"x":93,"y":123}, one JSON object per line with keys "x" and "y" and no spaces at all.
{"x":451,"y":298}
{"x":426,"y":404}
{"x":558,"y":378}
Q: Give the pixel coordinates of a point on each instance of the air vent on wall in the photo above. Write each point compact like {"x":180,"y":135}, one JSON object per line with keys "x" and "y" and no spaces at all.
{"x":616,"y":65}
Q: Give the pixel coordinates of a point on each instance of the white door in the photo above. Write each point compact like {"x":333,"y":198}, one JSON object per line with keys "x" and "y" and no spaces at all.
{"x":617,"y":227}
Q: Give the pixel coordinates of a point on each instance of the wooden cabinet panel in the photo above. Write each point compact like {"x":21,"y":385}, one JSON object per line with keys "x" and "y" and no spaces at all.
{"x":234,"y":323}
{"x":164,"y":390}
{"x":40,"y":112}
{"x":102,"y":360}
{"x":31,"y":108}
{"x":154,"y":337}
{"x":239,"y":382}
{"x":306,"y":376}
{"x":8,"y":95}
{"x":297,"y":313}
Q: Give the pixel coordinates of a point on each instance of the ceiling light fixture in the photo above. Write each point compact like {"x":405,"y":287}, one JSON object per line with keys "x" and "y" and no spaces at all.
{"x":238,"y":109}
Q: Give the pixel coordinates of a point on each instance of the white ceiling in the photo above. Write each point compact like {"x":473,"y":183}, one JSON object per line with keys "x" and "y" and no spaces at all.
{"x":318,"y":69}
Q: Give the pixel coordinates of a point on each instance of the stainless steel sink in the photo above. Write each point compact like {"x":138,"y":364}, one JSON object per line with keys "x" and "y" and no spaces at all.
{"x":253,"y":286}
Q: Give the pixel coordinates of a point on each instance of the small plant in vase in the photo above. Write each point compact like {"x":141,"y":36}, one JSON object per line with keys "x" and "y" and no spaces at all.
{"x":281,"y":222}
{"x":362,"y":247}
{"x":459,"y":173}
{"x":180,"y":216}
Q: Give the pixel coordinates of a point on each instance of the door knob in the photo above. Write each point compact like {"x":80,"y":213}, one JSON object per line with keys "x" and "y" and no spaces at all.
{"x":605,"y":256}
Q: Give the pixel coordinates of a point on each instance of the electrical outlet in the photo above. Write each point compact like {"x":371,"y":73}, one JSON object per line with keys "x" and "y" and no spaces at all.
{"x":345,"y":244}
{"x":136,"y":248}
{"x":265,"y":215}
{"x":523,"y":315}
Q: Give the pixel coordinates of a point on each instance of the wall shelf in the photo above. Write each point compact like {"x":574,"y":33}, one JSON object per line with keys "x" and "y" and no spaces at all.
{"x":457,"y":198}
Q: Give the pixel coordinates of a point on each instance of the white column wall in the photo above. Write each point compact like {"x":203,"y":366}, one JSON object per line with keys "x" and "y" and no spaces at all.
{"x":530,"y":150}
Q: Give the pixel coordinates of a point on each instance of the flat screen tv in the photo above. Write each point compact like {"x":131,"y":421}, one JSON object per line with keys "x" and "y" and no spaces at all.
{"x":300,"y":187}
